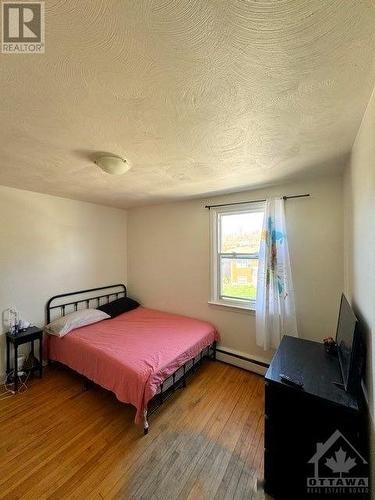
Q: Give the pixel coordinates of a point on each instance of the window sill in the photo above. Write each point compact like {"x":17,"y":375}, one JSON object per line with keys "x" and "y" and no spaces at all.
{"x":233,"y":307}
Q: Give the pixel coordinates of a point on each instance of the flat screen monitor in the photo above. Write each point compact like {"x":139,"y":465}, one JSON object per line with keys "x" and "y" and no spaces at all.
{"x":346,"y":341}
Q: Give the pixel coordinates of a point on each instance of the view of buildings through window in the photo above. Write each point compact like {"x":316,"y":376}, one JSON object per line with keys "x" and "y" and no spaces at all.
{"x":239,"y":242}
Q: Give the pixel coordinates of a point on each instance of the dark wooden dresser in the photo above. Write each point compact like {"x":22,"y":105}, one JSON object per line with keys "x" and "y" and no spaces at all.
{"x":306,"y":428}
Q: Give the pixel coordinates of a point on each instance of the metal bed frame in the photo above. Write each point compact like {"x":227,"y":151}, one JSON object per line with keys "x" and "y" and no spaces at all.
{"x":169,"y":385}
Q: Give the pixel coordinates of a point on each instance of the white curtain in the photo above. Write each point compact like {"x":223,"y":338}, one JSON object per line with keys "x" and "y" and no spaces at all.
{"x":275,"y":309}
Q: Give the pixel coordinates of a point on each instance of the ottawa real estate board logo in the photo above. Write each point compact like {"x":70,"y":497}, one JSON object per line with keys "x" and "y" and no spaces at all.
{"x":22,"y":28}
{"x":338,"y":468}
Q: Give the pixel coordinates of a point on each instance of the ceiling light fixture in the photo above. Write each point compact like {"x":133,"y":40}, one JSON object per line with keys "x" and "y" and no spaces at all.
{"x":113,"y":165}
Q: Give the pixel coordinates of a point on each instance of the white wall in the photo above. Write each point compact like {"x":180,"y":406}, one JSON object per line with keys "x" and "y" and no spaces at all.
{"x":168,"y":261}
{"x":50,"y":245}
{"x":360,"y":238}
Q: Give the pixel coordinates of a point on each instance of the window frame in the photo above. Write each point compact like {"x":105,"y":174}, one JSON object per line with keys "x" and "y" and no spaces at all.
{"x":215,"y":255}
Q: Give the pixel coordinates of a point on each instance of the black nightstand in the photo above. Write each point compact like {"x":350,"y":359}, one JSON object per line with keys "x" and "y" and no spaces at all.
{"x":23,"y":337}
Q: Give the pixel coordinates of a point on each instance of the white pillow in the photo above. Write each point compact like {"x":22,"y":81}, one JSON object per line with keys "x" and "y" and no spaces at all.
{"x":65,"y":324}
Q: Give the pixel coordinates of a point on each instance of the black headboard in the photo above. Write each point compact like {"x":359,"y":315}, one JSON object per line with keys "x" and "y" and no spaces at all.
{"x":58,"y":302}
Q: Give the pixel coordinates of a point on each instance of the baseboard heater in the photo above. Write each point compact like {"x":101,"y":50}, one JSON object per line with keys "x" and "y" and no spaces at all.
{"x":244,"y":358}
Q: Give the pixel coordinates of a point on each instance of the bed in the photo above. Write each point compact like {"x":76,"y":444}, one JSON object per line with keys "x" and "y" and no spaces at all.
{"x":142,"y":356}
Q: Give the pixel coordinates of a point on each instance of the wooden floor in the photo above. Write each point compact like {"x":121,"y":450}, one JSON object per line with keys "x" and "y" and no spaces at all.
{"x":59,"y":441}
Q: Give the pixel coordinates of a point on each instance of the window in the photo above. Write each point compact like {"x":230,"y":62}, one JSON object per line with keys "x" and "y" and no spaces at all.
{"x":235,"y":240}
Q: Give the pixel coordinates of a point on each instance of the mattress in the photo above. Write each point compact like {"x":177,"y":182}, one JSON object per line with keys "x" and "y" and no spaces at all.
{"x":132,"y":354}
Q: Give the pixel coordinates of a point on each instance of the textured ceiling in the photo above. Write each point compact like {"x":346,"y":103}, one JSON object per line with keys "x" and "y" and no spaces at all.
{"x":202,"y":96}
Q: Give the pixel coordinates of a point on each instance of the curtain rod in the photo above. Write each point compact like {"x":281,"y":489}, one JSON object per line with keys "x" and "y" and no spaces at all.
{"x":256,"y":201}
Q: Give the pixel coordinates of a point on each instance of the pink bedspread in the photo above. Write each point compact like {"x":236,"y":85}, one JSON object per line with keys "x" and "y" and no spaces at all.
{"x":133,"y":353}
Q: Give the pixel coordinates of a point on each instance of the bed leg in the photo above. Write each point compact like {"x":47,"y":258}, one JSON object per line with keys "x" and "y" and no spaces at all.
{"x":214,"y":350}
{"x":145,"y":423}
